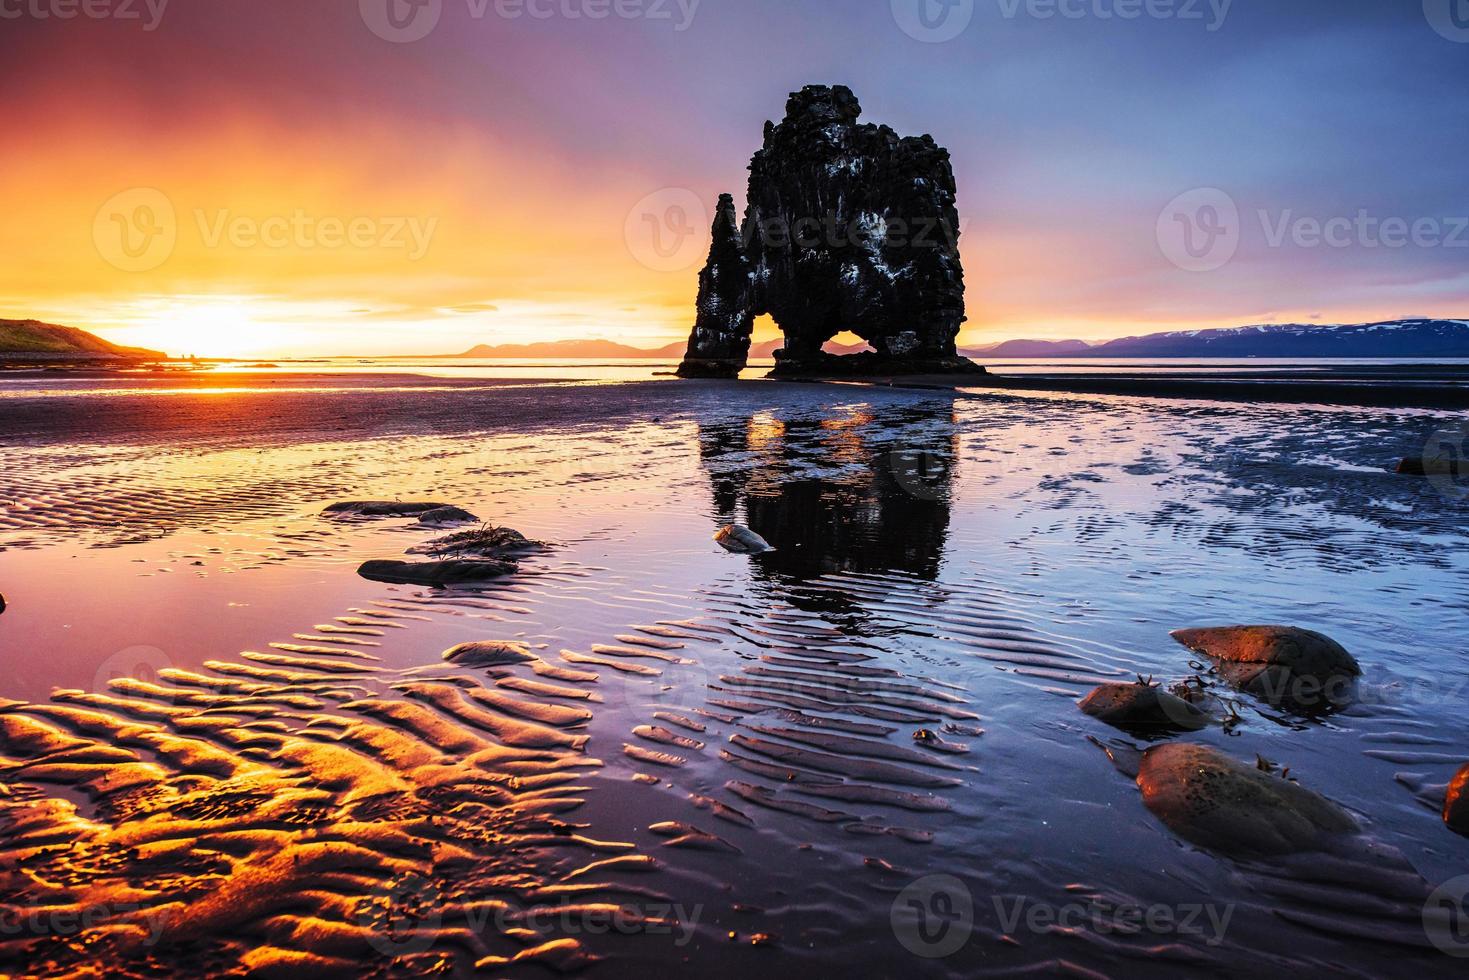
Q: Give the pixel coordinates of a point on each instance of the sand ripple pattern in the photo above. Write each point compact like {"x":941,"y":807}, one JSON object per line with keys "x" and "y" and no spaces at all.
{"x":304,"y":810}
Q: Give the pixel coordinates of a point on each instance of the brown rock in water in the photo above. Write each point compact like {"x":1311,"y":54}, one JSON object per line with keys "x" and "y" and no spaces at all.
{"x":1456,"y":803}
{"x":1219,"y":803}
{"x":1143,"y":708}
{"x":480,"y":542}
{"x":2,"y":603}
{"x":1284,"y":664}
{"x":382,"y":508}
{"x":489,"y":653}
{"x":436,"y":572}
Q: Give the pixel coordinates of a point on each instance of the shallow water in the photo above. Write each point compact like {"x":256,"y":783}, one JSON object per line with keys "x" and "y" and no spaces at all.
{"x":962,"y":566}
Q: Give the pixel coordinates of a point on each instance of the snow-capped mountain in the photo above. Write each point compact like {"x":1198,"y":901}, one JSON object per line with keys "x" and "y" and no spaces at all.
{"x":1415,"y":337}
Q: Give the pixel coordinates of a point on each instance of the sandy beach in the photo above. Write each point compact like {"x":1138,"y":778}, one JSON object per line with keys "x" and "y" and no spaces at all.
{"x":221,"y":745}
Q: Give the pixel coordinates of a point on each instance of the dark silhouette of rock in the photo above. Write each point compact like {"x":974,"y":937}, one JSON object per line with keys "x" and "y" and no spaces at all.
{"x":383,"y":508}
{"x":447,"y":515}
{"x":1456,"y":803}
{"x":436,"y":572}
{"x":720,"y":343}
{"x":1143,"y":708}
{"x":480,"y":542}
{"x":847,"y":226}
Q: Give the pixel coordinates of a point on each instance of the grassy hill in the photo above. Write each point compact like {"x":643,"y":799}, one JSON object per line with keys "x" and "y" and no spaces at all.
{"x":34,"y":339}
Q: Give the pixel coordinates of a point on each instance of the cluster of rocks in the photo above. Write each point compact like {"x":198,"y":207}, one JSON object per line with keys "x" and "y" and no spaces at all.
{"x":847,"y":226}
{"x":466,"y":556}
{"x":1216,"y":801}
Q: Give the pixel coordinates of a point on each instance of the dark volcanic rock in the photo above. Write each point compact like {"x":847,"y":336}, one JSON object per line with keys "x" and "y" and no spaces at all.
{"x":1456,"y":803}
{"x":848,"y":226}
{"x":382,"y":508}
{"x":1143,"y":708}
{"x":447,"y":515}
{"x":726,"y":312}
{"x":436,"y":572}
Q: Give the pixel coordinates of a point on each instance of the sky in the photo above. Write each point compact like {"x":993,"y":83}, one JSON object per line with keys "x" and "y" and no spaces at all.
{"x":284,"y":177}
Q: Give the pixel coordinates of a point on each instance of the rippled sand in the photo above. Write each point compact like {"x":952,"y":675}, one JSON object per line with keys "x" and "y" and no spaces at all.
{"x":227,"y":752}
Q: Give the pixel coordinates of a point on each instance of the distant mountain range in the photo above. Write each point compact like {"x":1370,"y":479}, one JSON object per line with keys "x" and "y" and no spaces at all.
{"x":1389,"y":338}
{"x":34,"y":340}
{"x":1415,"y":337}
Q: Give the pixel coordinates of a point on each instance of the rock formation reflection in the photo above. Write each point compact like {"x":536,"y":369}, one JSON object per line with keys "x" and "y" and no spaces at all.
{"x":856,"y":491}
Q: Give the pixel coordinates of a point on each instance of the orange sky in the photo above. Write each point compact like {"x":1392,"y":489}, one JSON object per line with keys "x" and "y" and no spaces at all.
{"x":269,"y":178}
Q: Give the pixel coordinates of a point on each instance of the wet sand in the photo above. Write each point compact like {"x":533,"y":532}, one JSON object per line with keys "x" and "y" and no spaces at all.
{"x":220,"y":747}
{"x":1381,"y":386}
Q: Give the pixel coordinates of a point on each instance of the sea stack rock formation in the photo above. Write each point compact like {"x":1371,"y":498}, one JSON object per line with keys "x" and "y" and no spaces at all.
{"x":848,"y":226}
